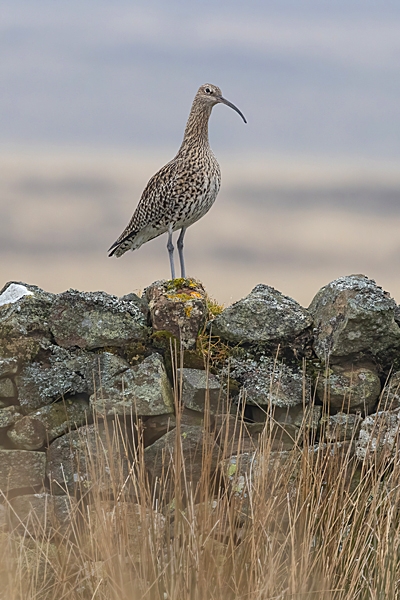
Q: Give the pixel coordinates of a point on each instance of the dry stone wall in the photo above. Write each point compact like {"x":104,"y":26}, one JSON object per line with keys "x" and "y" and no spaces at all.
{"x":81,"y":372}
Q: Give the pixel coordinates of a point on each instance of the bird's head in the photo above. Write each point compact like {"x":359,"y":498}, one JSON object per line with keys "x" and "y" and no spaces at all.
{"x":211,"y":94}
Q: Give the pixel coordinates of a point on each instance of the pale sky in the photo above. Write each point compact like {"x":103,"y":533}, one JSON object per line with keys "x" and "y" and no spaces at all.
{"x":310,"y":76}
{"x":95,"y":96}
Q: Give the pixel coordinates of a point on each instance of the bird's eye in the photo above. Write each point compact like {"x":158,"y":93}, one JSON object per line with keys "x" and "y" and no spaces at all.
{"x":208,"y":91}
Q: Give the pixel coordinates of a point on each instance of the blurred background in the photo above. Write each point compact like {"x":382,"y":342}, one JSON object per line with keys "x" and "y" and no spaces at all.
{"x":95,"y":97}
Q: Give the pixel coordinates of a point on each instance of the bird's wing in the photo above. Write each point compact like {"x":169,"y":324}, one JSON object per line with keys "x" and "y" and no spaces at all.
{"x":156,"y":202}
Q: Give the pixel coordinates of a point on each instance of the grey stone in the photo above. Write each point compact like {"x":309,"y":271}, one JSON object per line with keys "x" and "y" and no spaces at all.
{"x":7,"y":388}
{"x":8,"y":416}
{"x":21,"y":469}
{"x":157,"y":426}
{"x":143,"y":390}
{"x":160,"y":458}
{"x":303,"y":417}
{"x":234,"y":436}
{"x":269,"y":382}
{"x":95,"y":319}
{"x":60,"y":417}
{"x":64,"y":372}
{"x":178,"y":307}
{"x":90,"y":458}
{"x":61,"y":372}
{"x":349,"y":388}
{"x":390,"y":399}
{"x":341,"y":427}
{"x":24,"y":327}
{"x":8,"y":366}
{"x":379,"y":436}
{"x":41,"y":513}
{"x":354,"y":316}
{"x":27,"y":433}
{"x":265,"y":315}
{"x":197,"y":386}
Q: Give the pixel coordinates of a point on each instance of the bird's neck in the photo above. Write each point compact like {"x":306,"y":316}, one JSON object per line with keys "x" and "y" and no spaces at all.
{"x":196,"y":131}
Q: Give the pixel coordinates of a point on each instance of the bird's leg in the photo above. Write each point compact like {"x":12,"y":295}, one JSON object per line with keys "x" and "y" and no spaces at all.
{"x":180,"y":251}
{"x":170,"y":248}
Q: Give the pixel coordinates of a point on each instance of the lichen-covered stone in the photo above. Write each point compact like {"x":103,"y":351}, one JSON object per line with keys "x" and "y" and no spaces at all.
{"x":27,"y":433}
{"x":41,"y":513}
{"x":59,"y":373}
{"x":60,"y":417}
{"x":21,"y":469}
{"x":142,"y":390}
{"x":8,"y":367}
{"x":349,"y":388}
{"x":379,"y":436}
{"x":354,"y":316}
{"x":155,"y":427}
{"x":7,"y":388}
{"x":62,"y":372}
{"x":391,"y":393}
{"x":266,"y":381}
{"x":233,"y":435}
{"x":199,"y":386}
{"x":304,"y":417}
{"x":178,"y":307}
{"x":95,"y":319}
{"x":341,"y":427}
{"x":264,"y":316}
{"x":91,"y":457}
{"x":196,"y":445}
{"x":24,"y":320}
{"x":8,"y":416}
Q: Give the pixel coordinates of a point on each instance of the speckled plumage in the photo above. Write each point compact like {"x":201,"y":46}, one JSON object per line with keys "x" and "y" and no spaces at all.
{"x":182,"y":191}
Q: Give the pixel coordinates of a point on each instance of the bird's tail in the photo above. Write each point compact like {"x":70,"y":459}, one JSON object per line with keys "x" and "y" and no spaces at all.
{"x":122,"y":245}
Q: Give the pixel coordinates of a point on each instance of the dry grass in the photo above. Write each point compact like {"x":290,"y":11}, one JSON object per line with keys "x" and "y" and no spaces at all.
{"x":315,"y":525}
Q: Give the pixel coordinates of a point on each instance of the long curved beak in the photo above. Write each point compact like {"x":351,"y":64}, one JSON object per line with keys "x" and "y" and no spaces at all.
{"x":221,"y":99}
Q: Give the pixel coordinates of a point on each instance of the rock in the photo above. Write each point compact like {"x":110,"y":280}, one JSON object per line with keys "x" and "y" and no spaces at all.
{"x":104,"y":369}
{"x":155,"y":427}
{"x":391,"y":393}
{"x":8,"y":366}
{"x":379,"y":436}
{"x":160,"y":459}
{"x":27,"y":433}
{"x":269,"y":382}
{"x":38,"y":514}
{"x":59,"y":373}
{"x":21,"y":469}
{"x":234,"y":436}
{"x":341,"y":427}
{"x":60,"y":417}
{"x":349,"y":388}
{"x":142,"y":390}
{"x":91,"y":457}
{"x":178,"y":307}
{"x":95,"y":319}
{"x":250,"y":470}
{"x":24,"y":327}
{"x":307,"y":417}
{"x":7,"y":388}
{"x":198,"y":385}
{"x":264,"y":316}
{"x":354,"y":316}
{"x":8,"y":416}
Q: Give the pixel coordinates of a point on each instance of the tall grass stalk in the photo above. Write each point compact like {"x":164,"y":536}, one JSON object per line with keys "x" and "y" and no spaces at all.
{"x":304,"y":524}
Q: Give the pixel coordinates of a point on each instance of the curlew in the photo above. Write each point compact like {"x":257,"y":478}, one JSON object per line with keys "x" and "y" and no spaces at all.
{"x":182,"y":191}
